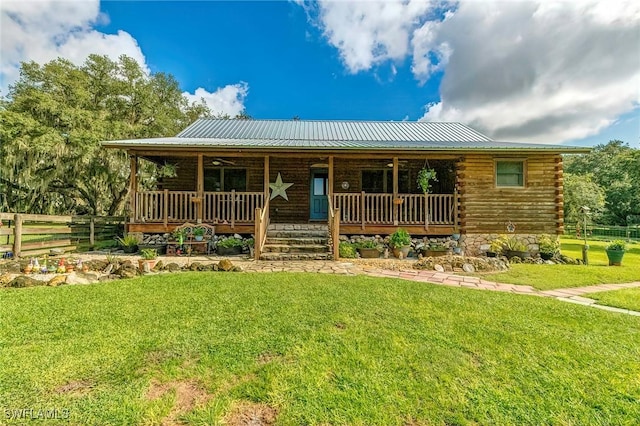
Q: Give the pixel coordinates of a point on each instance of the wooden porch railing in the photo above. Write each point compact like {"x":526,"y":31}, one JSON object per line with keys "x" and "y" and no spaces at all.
{"x":406,"y":209}
{"x":182,"y":206}
{"x":260,"y":232}
{"x":334,"y":229}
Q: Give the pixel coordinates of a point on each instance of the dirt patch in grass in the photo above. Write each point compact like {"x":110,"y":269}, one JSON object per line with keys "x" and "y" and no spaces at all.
{"x":251,"y":414}
{"x":268,"y":357}
{"x":75,"y":387}
{"x":188,"y":395}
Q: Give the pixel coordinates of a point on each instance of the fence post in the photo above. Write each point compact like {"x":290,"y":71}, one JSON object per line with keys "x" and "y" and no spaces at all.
{"x":92,"y":232}
{"x":165,"y":208}
{"x":17,"y":234}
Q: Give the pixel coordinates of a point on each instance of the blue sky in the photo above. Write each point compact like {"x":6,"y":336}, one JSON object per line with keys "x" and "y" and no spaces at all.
{"x":538,"y":71}
{"x":269,"y":45}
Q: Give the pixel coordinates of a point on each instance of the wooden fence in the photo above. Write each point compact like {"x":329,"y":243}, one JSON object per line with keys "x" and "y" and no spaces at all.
{"x":34,"y":234}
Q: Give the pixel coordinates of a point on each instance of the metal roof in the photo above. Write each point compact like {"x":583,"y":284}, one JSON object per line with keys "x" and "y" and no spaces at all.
{"x":322,"y":131}
{"x":331,"y":135}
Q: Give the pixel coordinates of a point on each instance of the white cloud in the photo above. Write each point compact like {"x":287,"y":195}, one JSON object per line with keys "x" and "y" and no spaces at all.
{"x":368,"y":33}
{"x":524,"y":70}
{"x":42,"y":30}
{"x":226,"y":100}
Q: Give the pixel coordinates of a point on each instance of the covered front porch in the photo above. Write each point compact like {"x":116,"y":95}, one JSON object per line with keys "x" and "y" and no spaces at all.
{"x":372,"y":195}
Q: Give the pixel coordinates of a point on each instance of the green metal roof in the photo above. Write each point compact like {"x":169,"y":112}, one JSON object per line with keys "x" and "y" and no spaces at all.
{"x":331,"y":135}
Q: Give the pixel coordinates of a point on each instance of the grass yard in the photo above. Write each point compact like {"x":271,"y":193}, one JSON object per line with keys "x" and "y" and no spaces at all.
{"x":548,"y":277}
{"x":628,"y":298}
{"x":213,"y":348}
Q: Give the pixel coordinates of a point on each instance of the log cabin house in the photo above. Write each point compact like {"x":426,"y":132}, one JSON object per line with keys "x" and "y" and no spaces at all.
{"x":354,"y":177}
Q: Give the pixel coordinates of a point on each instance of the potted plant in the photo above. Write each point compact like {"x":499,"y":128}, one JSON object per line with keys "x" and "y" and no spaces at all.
{"x":229,"y":246}
{"x":369,"y":249}
{"x":514,"y":248}
{"x":434,"y":250}
{"x":129,"y":243}
{"x":615,"y":252}
{"x":425,"y":176}
{"x":148,"y":257}
{"x":198,"y":233}
{"x":549,"y":246}
{"x":400,"y":243}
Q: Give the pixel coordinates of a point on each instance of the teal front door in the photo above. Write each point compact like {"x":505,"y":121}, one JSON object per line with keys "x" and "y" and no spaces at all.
{"x":319,"y":189}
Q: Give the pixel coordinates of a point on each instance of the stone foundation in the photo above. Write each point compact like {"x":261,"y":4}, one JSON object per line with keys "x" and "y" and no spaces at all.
{"x":478,"y":244}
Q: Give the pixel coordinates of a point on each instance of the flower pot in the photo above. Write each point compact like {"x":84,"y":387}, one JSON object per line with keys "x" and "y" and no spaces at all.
{"x":404,"y":250}
{"x":229,"y":251}
{"x":369,"y":253}
{"x":150,"y":262}
{"x":492,"y":254}
{"x":546,"y":256}
{"x":615,"y":257}
{"x":514,"y":253}
{"x":434,"y":252}
{"x":130,"y":249}
{"x":199,"y":237}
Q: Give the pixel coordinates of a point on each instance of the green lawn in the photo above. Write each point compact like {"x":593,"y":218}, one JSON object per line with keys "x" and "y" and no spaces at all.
{"x":314,"y":349}
{"x":547,"y":277}
{"x":628,"y":298}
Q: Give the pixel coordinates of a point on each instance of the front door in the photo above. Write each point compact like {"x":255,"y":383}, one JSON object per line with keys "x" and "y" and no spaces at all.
{"x":319,"y":190}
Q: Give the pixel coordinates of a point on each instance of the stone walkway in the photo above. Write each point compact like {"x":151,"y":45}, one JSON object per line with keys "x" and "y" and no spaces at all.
{"x":402,"y":269}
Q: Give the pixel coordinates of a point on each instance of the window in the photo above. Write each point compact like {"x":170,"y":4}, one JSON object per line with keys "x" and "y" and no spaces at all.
{"x":381,"y":181}
{"x":224,"y":179}
{"x":510,"y":173}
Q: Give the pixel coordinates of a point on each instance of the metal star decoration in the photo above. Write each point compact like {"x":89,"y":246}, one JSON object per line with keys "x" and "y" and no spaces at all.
{"x":279,"y":188}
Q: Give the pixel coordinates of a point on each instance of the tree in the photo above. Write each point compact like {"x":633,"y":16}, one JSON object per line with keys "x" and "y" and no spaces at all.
{"x":54,"y":118}
{"x":582,"y":191}
{"x":615,"y":167}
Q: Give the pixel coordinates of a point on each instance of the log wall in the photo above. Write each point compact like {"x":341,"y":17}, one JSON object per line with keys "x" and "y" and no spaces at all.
{"x":534,"y":209}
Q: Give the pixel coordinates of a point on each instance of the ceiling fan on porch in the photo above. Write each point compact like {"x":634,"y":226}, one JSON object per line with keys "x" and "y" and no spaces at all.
{"x":222,"y":161}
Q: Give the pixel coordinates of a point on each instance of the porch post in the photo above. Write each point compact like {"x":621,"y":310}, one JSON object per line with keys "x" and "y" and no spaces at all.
{"x":133,"y":187}
{"x":330,"y":180}
{"x":200,"y":188}
{"x":266,"y":180}
{"x":395,"y":207}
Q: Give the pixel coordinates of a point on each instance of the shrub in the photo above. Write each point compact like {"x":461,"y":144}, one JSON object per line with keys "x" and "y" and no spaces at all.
{"x":230,"y":242}
{"x":346,"y":250}
{"x":400,"y":238}
{"x":148,"y":254}
{"x":548,"y":244}
{"x":619,"y":245}
{"x":127,"y":241}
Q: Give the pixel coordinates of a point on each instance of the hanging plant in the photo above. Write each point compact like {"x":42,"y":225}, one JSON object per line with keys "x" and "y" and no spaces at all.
{"x":425,"y":176}
{"x":167,"y":170}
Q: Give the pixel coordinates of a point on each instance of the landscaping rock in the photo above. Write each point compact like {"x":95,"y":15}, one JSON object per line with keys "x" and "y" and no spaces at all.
{"x":13,"y":266}
{"x":6,"y":278}
{"x":457,"y":263}
{"x":57,"y":280}
{"x":127,"y":270}
{"x":196,"y":266}
{"x":225,"y":265}
{"x":81,"y":278}
{"x":159,"y":266}
{"x":22,"y":281}
{"x":172,"y":267}
{"x":96,"y":265}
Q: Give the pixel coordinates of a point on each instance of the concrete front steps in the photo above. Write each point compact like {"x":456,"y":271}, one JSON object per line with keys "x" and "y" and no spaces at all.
{"x":296,"y":242}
